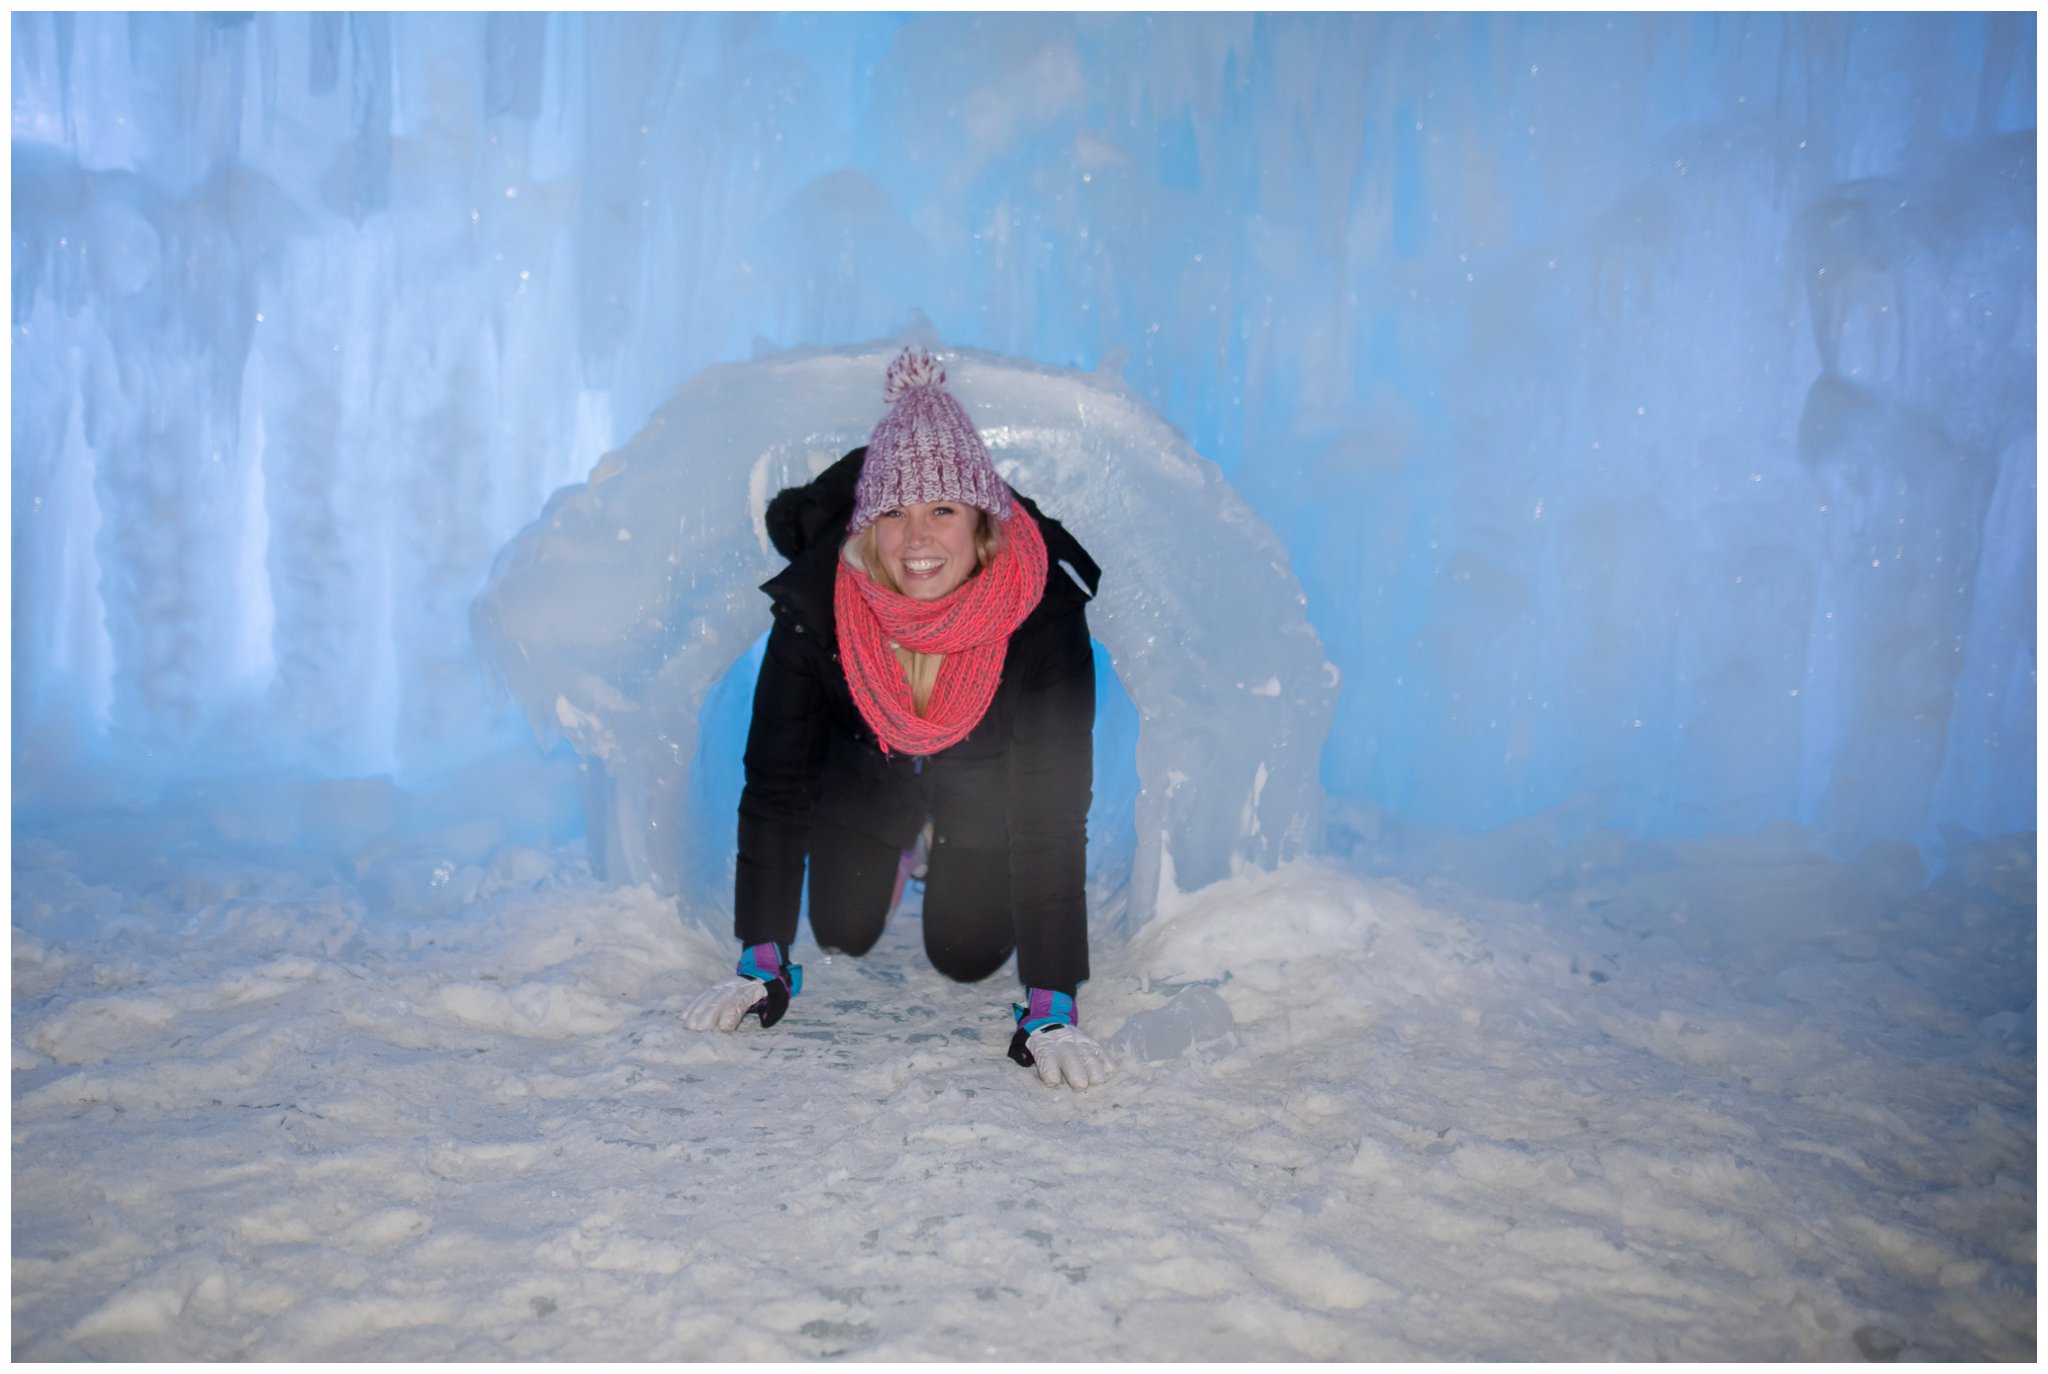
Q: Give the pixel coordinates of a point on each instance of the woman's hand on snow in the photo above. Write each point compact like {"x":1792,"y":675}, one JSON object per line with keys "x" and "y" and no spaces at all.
{"x":1062,"y":1052}
{"x":725,"y":1005}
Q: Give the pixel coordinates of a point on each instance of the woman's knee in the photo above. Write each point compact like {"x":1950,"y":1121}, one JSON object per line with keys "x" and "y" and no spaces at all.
{"x":851,"y":927}
{"x":965,"y":962}
{"x":849,"y":885}
{"x":851,"y":944}
{"x":971,"y":967}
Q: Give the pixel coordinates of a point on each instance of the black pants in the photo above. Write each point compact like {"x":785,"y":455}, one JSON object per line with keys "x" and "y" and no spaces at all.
{"x":968,"y":927}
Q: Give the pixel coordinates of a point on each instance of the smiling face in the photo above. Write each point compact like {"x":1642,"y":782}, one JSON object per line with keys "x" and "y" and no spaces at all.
{"x":927,"y":549}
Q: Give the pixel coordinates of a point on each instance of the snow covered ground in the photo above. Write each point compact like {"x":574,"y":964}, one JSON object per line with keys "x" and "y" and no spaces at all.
{"x":1706,"y":1100}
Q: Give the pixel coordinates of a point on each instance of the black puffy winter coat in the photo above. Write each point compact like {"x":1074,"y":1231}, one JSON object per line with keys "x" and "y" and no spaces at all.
{"x":1026,"y":769}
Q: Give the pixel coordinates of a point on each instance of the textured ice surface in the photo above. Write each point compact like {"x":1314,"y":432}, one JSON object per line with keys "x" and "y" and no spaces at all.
{"x":1646,"y":401}
{"x":613,"y":616}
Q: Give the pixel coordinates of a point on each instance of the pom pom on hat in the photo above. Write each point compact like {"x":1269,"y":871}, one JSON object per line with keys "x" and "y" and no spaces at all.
{"x":913,"y":368}
{"x":925,"y":448}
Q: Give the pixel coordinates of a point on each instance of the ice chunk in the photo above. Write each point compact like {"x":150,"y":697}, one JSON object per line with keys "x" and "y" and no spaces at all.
{"x":615,"y":643}
{"x":1196,"y":1018}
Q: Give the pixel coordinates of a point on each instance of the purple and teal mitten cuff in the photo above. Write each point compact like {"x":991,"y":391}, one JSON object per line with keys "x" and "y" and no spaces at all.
{"x":782,"y":980}
{"x":1042,"y":1007}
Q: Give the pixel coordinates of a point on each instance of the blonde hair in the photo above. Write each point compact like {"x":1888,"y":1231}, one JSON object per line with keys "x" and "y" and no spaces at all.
{"x":988,"y":542}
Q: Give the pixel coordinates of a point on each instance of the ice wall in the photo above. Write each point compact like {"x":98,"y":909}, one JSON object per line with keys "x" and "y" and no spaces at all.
{"x":614,"y":615}
{"x":1646,"y":402}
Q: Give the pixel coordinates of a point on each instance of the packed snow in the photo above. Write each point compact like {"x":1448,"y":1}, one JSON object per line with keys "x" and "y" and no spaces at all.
{"x":1685,"y":1100}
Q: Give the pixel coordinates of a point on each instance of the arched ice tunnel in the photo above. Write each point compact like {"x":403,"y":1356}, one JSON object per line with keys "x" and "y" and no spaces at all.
{"x":613,"y":616}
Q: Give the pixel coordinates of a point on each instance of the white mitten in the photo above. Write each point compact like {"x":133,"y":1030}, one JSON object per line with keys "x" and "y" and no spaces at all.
{"x":766,"y":982}
{"x":722,"y":1006}
{"x":1063,"y":1052}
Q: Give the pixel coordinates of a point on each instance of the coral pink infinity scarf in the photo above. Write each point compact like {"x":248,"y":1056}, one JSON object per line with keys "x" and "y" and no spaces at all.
{"x":971,"y":625}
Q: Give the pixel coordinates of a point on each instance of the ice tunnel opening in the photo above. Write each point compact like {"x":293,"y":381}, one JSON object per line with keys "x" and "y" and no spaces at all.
{"x":718,"y":773}
{"x":615,"y":615}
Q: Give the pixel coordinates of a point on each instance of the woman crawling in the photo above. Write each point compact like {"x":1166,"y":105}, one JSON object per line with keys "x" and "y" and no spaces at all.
{"x":924,"y":674}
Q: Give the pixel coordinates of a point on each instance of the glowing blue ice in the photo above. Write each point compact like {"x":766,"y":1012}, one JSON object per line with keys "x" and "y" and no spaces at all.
{"x":1645,"y":402}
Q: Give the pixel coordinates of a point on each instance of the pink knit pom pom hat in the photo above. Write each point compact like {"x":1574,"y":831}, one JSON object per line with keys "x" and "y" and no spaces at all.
{"x":925,"y":448}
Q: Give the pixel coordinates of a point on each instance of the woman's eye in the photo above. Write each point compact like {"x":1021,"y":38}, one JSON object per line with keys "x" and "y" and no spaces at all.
{"x":942,"y":510}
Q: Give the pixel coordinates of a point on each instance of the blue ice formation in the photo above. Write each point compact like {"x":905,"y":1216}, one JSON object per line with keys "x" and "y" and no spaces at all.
{"x":614,"y":615}
{"x":1645,"y":402}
